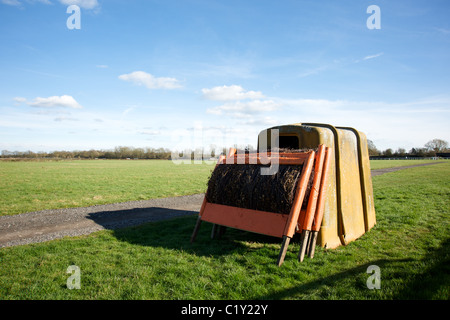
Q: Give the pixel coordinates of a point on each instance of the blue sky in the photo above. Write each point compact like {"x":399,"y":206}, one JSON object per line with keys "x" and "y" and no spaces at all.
{"x":193,"y":73}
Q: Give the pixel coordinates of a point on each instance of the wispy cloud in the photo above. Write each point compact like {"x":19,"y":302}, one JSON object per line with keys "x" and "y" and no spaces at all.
{"x":11,"y":2}
{"x":387,"y":124}
{"x":60,"y":119}
{"x":227,"y":93}
{"x":85,"y":4}
{"x":261,"y":121}
{"x":238,"y":102}
{"x":20,"y":100}
{"x":150,"y":132}
{"x":64,"y":101}
{"x":18,"y":3}
{"x":401,"y":124}
{"x":373,"y":56}
{"x":46,"y":74}
{"x":369,"y":57}
{"x":142,"y":78}
{"x":313,"y":71}
{"x":240,"y":109}
{"x":443,"y":31}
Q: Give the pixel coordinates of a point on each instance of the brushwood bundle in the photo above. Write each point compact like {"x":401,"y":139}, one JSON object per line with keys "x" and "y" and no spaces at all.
{"x":243,"y":186}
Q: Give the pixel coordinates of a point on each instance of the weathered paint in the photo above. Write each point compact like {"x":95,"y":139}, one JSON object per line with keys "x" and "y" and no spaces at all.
{"x":349,"y":208}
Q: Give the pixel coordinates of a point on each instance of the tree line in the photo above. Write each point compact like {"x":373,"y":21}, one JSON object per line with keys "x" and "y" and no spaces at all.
{"x":116,"y":153}
{"x":431,"y":149}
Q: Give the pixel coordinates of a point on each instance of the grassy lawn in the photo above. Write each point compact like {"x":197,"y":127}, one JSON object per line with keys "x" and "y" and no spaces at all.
{"x":34,"y":186}
{"x":410,"y":244}
{"x":383,"y":164}
{"x":38,"y":185}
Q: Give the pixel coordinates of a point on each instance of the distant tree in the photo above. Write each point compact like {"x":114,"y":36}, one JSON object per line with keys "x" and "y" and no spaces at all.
{"x":436,"y":145}
{"x":418,"y":152}
{"x":6,"y":153}
{"x":400,"y":152}
{"x":388,"y":152}
{"x":373,"y":151}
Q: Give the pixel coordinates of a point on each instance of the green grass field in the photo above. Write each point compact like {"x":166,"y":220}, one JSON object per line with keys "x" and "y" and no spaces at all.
{"x":382,"y":164}
{"x":39,"y":185}
{"x":410,"y":245}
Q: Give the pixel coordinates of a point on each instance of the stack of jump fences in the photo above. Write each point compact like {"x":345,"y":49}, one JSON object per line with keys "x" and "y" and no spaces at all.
{"x":288,"y":201}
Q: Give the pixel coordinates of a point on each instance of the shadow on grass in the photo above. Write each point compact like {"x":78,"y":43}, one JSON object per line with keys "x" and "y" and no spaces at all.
{"x":333,"y":281}
{"x":172,"y":229}
{"x":118,"y":219}
{"x":432,"y":282}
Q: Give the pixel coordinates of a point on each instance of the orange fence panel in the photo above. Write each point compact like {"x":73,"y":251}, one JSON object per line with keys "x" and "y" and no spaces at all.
{"x":272,"y":223}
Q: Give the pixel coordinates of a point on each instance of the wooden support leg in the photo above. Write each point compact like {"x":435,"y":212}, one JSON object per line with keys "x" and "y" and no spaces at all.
{"x":303,"y":245}
{"x":221,"y":231}
{"x":214,"y":231}
{"x":196,"y":228}
{"x":312,"y":245}
{"x":308,"y":245}
{"x":283,"y":250}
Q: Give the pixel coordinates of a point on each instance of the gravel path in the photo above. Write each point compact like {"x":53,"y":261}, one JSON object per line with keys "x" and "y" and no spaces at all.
{"x":378,"y":172}
{"x":47,"y":225}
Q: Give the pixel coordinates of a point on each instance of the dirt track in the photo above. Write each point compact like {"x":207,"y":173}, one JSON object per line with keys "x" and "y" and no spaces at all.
{"x":47,"y":225}
{"x":386,"y":170}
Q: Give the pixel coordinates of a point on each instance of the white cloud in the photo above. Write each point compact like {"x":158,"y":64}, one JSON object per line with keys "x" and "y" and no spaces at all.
{"x":64,"y":101}
{"x":60,"y":119}
{"x":373,"y":56}
{"x":146,"y":79}
{"x":85,"y":4}
{"x":313,"y":71}
{"x":239,"y":103}
{"x":402,"y":124}
{"x":240,"y":109}
{"x":315,"y":104}
{"x":443,"y":31}
{"x":150,"y":132}
{"x":261,"y":121}
{"x":11,"y":2}
{"x":233,"y":92}
{"x":20,"y":99}
{"x":387,"y":124}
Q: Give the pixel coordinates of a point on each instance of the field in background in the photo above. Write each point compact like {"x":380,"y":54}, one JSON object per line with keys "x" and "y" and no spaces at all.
{"x":410,"y":244}
{"x":38,"y":185}
{"x":383,"y":164}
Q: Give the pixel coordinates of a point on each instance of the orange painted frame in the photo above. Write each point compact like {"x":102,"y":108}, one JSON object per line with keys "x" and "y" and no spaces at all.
{"x":263,"y":222}
{"x":309,"y":218}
